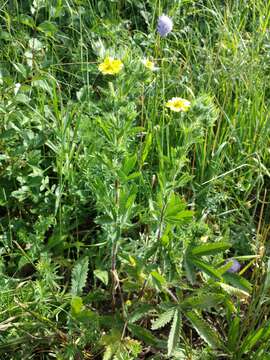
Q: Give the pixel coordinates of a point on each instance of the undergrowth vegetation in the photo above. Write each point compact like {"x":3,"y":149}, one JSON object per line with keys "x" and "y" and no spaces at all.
{"x":134,"y":193}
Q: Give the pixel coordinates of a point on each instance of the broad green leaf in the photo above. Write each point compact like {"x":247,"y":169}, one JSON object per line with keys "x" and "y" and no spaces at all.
{"x":48,"y":28}
{"x":102,"y":275}
{"x":204,"y":330}
{"x":210,"y":249}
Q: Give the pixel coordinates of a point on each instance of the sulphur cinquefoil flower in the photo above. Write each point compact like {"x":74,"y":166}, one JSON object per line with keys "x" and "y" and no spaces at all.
{"x":110,"y":66}
{"x":150,"y":65}
{"x":178,"y":104}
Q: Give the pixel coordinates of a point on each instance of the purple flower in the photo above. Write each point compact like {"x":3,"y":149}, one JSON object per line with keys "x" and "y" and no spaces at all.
{"x":165,"y":25}
{"x":235,"y":267}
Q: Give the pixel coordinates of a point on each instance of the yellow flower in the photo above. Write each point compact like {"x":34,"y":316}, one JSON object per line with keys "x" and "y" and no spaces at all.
{"x":150,"y":65}
{"x":128,"y":303}
{"x":178,"y":104}
{"x":110,"y":66}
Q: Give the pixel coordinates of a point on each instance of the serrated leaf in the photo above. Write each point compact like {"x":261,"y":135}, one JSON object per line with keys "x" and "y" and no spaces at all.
{"x":202,"y":301}
{"x":140,"y":312}
{"x":208,"y":269}
{"x":79,"y":276}
{"x":143,"y":334}
{"x":210,"y":249}
{"x":231,"y":290}
{"x":174,"y":332}
{"x":238,"y":281}
{"x":163,"y":319}
{"x":204,"y":330}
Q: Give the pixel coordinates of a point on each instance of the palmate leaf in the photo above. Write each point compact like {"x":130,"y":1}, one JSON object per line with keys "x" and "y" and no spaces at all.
{"x":174,"y":332}
{"x":204,"y":330}
{"x":79,"y":276}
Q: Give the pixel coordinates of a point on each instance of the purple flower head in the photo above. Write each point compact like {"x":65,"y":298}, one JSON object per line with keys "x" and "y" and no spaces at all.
{"x":165,"y":25}
{"x":235,"y":267}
